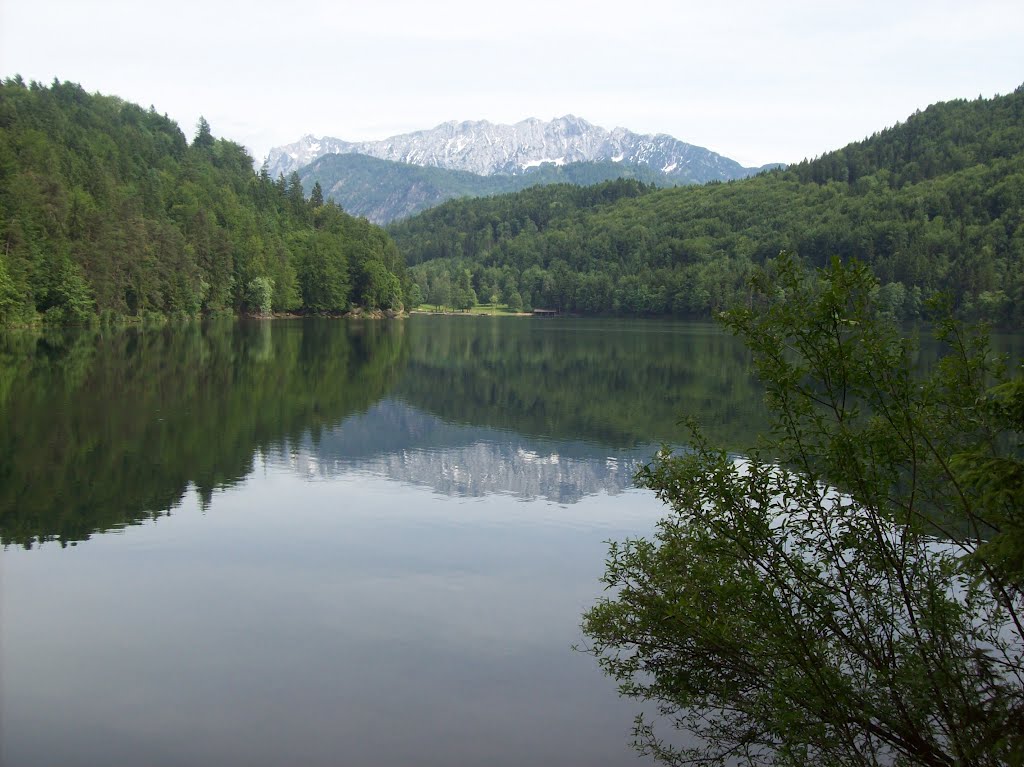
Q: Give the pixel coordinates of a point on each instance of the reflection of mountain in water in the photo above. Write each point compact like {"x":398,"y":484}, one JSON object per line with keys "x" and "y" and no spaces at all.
{"x":104,"y":429}
{"x":395,"y":440}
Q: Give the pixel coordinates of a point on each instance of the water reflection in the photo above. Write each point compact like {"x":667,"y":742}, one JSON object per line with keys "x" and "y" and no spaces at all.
{"x":382,"y":535}
{"x":402,"y":443}
{"x":107,"y":429}
{"x":357,"y":621}
{"x":617,"y":383}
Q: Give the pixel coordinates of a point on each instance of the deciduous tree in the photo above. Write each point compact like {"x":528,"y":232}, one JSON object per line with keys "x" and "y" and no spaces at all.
{"x":850,"y":592}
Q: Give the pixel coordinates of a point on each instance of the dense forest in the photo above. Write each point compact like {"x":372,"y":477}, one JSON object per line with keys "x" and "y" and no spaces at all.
{"x":934,"y":204}
{"x":107,"y":211}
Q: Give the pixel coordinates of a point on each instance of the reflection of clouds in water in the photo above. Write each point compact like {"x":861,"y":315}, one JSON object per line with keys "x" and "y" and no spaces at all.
{"x":366,"y":607}
{"x":402,"y":443}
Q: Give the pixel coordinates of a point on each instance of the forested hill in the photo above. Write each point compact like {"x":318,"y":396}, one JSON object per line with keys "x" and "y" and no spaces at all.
{"x":933,"y":204}
{"x":106,"y":210}
{"x":385,"y":190}
{"x":943,"y":139}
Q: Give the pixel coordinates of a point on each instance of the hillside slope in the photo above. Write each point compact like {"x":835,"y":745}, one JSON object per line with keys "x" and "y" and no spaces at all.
{"x":384,"y":190}
{"x":106,"y":210}
{"x":933,"y":204}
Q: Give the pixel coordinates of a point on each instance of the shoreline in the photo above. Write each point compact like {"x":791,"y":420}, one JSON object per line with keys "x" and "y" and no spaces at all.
{"x":427,"y":312}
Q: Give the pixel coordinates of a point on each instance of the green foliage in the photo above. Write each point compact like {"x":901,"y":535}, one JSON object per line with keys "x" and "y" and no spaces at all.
{"x":415,"y":295}
{"x":943,"y":139}
{"x":464,"y":297}
{"x":203,"y":140}
{"x":996,"y":479}
{"x":316,"y":196}
{"x":855,"y":597}
{"x":8,"y":294}
{"x":323,"y":273}
{"x":439,"y":290}
{"x":382,"y":289}
{"x":106,"y":210}
{"x":260,"y":295}
{"x":933,"y":205}
{"x":515,"y":301}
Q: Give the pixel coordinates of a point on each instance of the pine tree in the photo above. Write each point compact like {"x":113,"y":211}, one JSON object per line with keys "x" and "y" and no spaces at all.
{"x":316,"y":197}
{"x":204,"y":138}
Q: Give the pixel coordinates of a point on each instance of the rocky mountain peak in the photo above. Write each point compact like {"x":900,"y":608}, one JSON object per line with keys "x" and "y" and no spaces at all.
{"x":486,"y":148}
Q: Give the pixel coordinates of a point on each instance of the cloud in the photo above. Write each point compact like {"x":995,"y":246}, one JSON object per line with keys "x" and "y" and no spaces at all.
{"x":757,"y":82}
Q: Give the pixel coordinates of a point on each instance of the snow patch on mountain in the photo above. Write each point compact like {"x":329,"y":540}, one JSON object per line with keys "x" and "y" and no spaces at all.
{"x":487,"y":148}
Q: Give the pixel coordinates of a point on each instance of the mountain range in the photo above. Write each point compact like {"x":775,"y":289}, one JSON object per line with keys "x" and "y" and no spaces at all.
{"x":492,"y":151}
{"x":487,"y":148}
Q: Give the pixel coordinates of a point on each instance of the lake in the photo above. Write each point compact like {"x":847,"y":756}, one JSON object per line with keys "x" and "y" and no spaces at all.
{"x":324,"y":542}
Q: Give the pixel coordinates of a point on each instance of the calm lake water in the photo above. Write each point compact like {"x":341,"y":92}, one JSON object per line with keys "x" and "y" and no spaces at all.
{"x":327,"y":542}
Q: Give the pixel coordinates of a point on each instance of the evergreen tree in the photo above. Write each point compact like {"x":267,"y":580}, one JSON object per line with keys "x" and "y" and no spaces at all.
{"x":316,"y":197}
{"x":203,"y":138}
{"x":295,"y":195}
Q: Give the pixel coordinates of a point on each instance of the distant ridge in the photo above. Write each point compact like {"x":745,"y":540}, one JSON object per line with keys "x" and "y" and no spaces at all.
{"x":383,"y":191}
{"x":487,"y":148}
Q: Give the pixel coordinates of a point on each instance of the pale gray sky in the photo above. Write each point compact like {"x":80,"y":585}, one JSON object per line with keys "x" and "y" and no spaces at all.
{"x":756,"y":81}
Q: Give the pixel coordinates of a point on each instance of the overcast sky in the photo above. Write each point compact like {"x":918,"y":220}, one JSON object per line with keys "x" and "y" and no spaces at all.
{"x":765,"y":81}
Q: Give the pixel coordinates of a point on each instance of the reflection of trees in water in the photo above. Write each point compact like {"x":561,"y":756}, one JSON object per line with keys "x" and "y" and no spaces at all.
{"x":619,"y":383}
{"x":106,"y":429}
{"x":103,"y":429}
